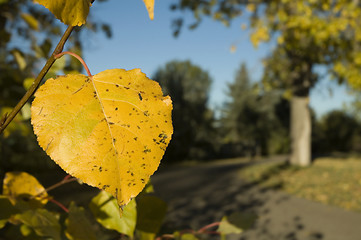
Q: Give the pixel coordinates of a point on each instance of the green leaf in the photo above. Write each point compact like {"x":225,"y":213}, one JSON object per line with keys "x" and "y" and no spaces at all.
{"x":106,"y":211}
{"x":26,"y":230}
{"x":78,"y":225}
{"x":185,"y":236}
{"x":236,"y":223}
{"x":188,"y":236}
{"x":151,"y":213}
{"x":43,"y":222}
{"x":28,"y":82}
{"x":144,"y":235}
{"x":7,"y":210}
{"x":70,"y":12}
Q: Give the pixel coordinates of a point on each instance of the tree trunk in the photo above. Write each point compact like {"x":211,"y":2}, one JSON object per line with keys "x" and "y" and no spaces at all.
{"x":300,"y":131}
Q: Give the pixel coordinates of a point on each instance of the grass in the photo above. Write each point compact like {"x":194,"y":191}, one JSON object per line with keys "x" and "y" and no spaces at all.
{"x":331,"y":181}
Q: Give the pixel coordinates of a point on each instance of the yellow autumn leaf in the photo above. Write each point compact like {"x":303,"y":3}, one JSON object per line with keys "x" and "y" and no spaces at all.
{"x":70,"y":12}
{"x":149,"y":4}
{"x":109,"y":130}
{"x":21,"y":185}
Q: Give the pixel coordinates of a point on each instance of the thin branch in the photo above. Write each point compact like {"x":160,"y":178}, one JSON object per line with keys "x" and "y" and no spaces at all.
{"x":5,"y":121}
{"x":77,"y":57}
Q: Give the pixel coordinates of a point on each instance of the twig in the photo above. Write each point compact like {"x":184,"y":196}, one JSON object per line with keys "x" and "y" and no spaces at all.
{"x":65,"y":180}
{"x":6,"y":119}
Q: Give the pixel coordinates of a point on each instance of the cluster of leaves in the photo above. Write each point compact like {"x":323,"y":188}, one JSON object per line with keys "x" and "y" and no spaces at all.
{"x":26,"y":214}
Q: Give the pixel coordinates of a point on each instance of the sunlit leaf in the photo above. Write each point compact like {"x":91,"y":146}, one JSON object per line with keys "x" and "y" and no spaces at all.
{"x":43,"y":222}
{"x":106,"y":211}
{"x":70,"y":12}
{"x":109,"y":130}
{"x":149,"y":4}
{"x":78,"y":226}
{"x":151,"y":213}
{"x":21,"y":186}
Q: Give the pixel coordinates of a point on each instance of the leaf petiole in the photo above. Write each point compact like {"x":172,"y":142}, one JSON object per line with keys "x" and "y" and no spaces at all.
{"x":77,"y":57}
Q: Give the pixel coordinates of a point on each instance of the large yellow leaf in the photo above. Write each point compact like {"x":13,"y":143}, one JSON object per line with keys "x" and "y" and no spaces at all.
{"x":109,"y":130}
{"x":70,"y":12}
{"x":149,"y":4}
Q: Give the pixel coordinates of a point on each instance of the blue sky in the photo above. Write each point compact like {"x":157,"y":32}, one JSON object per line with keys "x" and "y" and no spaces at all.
{"x":138,"y":42}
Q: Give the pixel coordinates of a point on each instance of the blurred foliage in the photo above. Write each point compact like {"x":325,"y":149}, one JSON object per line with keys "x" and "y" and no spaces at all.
{"x":325,"y":32}
{"x":29,"y":213}
{"x":253,"y":121}
{"x":28,"y":34}
{"x":194,"y":135}
{"x":332,"y":181}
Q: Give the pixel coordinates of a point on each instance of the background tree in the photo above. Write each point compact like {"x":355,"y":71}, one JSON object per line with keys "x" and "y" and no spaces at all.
{"x":254,"y":121}
{"x":188,"y":85}
{"x":309,"y":34}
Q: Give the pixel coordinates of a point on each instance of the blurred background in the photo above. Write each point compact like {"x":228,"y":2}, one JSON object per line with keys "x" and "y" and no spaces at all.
{"x":251,"y":81}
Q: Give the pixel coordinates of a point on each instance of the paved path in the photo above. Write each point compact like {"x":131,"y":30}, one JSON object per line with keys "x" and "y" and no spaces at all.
{"x":202,"y":194}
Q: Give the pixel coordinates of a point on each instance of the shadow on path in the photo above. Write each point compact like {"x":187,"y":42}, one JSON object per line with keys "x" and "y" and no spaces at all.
{"x":203,"y":194}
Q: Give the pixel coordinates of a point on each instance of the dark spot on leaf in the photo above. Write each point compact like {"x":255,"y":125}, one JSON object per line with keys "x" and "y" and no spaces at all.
{"x":142,"y":179}
{"x":146,"y":113}
{"x":138,"y":127}
{"x":140,"y":96}
{"x":100,"y":169}
{"x":116,"y":109}
{"x":111,"y":123}
{"x":136,"y":138}
{"x":107,"y":90}
{"x":116,"y":85}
